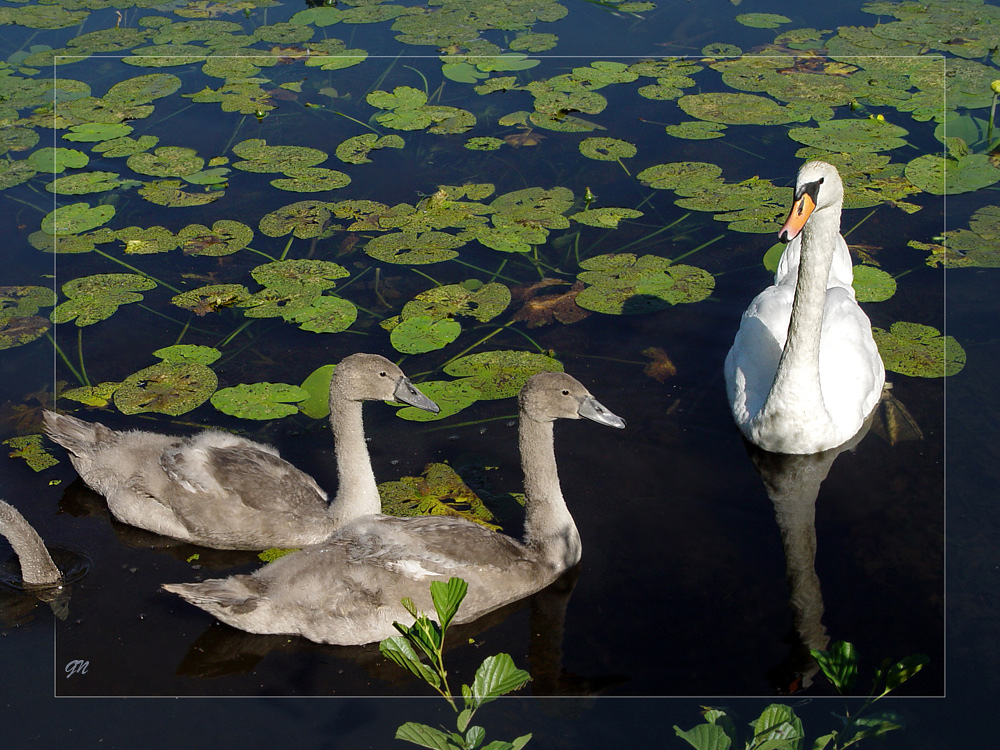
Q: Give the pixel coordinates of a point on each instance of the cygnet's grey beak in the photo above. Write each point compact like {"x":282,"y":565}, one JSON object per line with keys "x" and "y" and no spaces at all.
{"x":408,"y":394}
{"x":591,"y":408}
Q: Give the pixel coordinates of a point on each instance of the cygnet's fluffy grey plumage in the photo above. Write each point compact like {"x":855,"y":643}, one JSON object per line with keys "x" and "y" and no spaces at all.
{"x":37,"y":568}
{"x":219,"y":490}
{"x":347,"y":590}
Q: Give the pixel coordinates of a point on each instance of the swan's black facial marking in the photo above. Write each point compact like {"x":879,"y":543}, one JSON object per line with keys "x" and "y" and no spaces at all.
{"x":811,"y":189}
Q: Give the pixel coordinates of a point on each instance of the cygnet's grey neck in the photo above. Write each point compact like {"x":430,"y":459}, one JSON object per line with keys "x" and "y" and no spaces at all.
{"x":357,"y":493}
{"x":37,"y":568}
{"x":549,"y":529}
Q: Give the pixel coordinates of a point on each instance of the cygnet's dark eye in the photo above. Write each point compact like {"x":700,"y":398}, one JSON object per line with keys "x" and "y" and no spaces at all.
{"x":565,"y":392}
{"x":383,"y":374}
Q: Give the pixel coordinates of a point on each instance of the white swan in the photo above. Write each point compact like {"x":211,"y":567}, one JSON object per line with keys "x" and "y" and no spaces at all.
{"x":37,"y":568}
{"x":219,"y":490}
{"x":804,"y":372}
{"x":347,"y":590}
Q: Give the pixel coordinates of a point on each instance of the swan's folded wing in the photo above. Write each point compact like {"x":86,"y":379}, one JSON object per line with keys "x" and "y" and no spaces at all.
{"x":851,"y":370}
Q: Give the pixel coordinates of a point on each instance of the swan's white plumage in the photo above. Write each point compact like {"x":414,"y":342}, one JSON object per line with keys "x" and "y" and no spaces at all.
{"x":808,"y":386}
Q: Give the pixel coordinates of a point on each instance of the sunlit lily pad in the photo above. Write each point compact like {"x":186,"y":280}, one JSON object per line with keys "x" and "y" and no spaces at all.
{"x":92,"y":395}
{"x":423,"y":333}
{"x":170,"y":193}
{"x":739,"y":109}
{"x":94,"y":298}
{"x":299,"y":274}
{"x":57,"y":160}
{"x":607,"y":217}
{"x":483,"y":303}
{"x":762,"y":20}
{"x":514,"y":238}
{"x":919,"y":351}
{"x":873,"y":284}
{"x":32,"y":450}
{"x":483,"y":143}
{"x":311,"y":180}
{"x":326,"y":315}
{"x":224,"y":238}
{"x":166,"y":161}
{"x":623,"y":284}
{"x":412,"y":248}
{"x":212,"y":298}
{"x":124,"y":146}
{"x":82,"y":183}
{"x":16,"y":330}
{"x":260,"y":157}
{"x":948,"y":176}
{"x":606,"y":149}
{"x":190,"y":353}
{"x":306,"y":219}
{"x":681,"y":175}
{"x":696,"y":130}
{"x":93,"y":132}
{"x":501,"y":374}
{"x":146,"y":240}
{"x":317,"y":385}
{"x":439,"y":491}
{"x":166,"y":388}
{"x":259,"y":400}
{"x":355,"y":150}
{"x":20,"y":301}
{"x":76,"y":218}
{"x":851,"y":135}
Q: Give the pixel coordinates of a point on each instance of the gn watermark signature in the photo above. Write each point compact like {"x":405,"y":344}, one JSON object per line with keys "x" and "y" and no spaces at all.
{"x":77,"y":666}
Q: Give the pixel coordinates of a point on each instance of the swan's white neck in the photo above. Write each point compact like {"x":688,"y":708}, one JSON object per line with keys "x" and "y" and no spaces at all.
{"x":549,"y":529}
{"x":357,"y":493}
{"x":796,"y":398}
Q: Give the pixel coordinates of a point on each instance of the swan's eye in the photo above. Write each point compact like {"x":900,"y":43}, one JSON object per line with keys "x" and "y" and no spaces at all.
{"x":383,"y":374}
{"x":565,"y":392}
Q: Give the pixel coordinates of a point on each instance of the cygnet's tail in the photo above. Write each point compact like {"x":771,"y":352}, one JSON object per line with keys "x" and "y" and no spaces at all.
{"x":80,"y":438}
{"x":229,"y":599}
{"x":37,"y":568}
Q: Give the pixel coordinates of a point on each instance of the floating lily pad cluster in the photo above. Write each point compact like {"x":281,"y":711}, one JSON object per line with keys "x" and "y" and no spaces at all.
{"x":975,"y":247}
{"x":95,"y":298}
{"x":919,"y":351}
{"x":407,"y":109}
{"x":297,"y":163}
{"x":438,"y":491}
{"x":293,"y":290}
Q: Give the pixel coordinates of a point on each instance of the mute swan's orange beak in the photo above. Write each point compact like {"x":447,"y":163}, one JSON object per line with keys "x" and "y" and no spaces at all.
{"x":801,"y":210}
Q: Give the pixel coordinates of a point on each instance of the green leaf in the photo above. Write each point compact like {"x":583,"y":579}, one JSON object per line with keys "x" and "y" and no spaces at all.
{"x":424,"y":334}
{"x":873,"y":284}
{"x":474,"y":737}
{"x":919,"y":351}
{"x":76,"y":218}
{"x":777,"y":727}
{"x":839,"y":664}
{"x":704,"y":737}
{"x":202,"y":355}
{"x":425,"y":736}
{"x":904,"y":669}
{"x":166,"y":388}
{"x":317,"y":385}
{"x":398,"y":649}
{"x":497,"y":676}
{"x":447,"y":598}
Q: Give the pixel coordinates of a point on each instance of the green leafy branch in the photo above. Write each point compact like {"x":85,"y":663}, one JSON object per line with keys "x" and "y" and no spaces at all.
{"x":778,"y":728}
{"x":495,"y":677}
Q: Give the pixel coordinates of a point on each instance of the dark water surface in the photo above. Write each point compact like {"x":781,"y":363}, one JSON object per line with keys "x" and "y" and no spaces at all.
{"x":689,"y":565}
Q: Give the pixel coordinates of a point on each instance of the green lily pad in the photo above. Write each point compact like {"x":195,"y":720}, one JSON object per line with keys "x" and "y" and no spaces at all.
{"x":57,"y":160}
{"x":299,"y":274}
{"x":500,"y":374}
{"x":326,"y":315}
{"x":413,"y":248}
{"x":124,"y":146}
{"x":947,"y":176}
{"x":762,"y":20}
{"x":483,"y":143}
{"x":170,"y":193}
{"x":92,"y":395}
{"x":311,"y":180}
{"x":873,"y":284}
{"x":852,"y":136}
{"x":188,"y":353}
{"x":259,"y":400}
{"x":623,"y":284}
{"x":305,"y":219}
{"x":739,"y":109}
{"x":919,"y":351}
{"x":317,"y":385}
{"x":30,"y":448}
{"x":172,"y":388}
{"x":91,"y":132}
{"x":224,"y":238}
{"x":606,"y":149}
{"x":261,"y":157}
{"x":17,"y":330}
{"x":687,"y":175}
{"x":355,"y":150}
{"x":451,"y":396}
{"x":146,"y":240}
{"x":166,"y":161}
{"x":423,"y":333}
{"x":21,"y":301}
{"x":439,"y":491}
{"x":94,"y":298}
{"x":607,"y":217}
{"x":83,"y":183}
{"x":696,"y":130}
{"x":76,"y":218}
{"x":212,"y":298}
